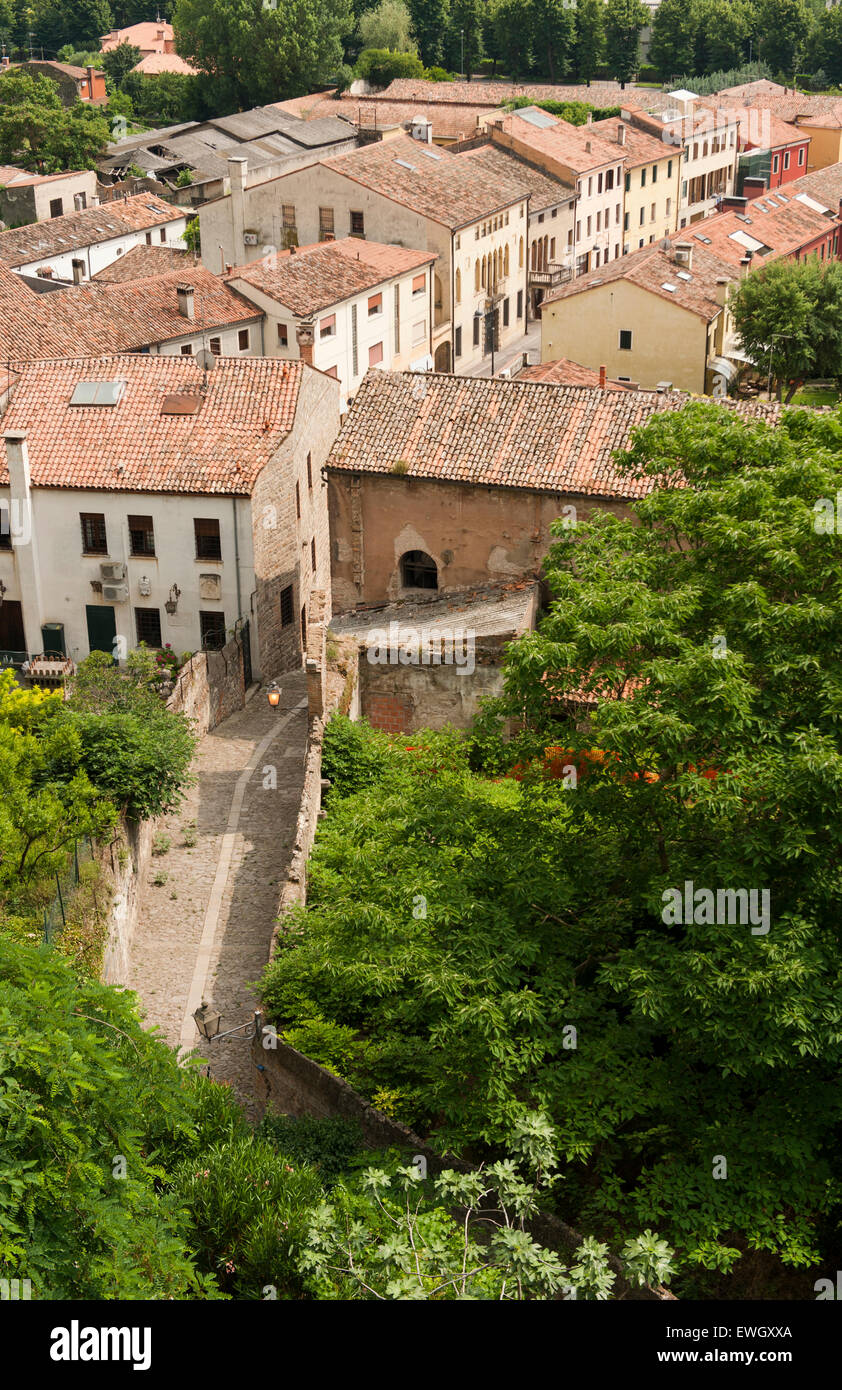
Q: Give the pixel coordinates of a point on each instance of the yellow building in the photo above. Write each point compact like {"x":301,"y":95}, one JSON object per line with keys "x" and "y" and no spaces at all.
{"x":652,"y":173}
{"x":656,"y":317}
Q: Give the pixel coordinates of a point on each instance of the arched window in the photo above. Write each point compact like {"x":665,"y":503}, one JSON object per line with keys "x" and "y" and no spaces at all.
{"x":484,"y":276}
{"x":506,"y":261}
{"x":458,"y":287}
{"x":418,"y":570}
{"x":476,"y":273}
{"x":520,"y":255}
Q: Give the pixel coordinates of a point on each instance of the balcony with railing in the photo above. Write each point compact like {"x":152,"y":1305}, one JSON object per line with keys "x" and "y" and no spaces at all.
{"x":550,"y":276}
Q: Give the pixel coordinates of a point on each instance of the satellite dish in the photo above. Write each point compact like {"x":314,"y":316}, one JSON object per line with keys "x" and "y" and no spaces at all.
{"x":206,"y":360}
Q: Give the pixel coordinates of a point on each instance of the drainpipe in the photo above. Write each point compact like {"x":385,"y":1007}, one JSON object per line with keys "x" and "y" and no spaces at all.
{"x":237,"y":560}
{"x":452,"y":302}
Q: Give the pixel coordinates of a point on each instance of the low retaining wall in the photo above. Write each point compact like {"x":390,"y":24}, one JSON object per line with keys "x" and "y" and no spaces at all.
{"x":210,"y":686}
{"x":296,"y":1085}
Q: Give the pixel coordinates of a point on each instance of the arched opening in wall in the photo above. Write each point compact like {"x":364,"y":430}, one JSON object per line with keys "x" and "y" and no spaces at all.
{"x":441,"y":362}
{"x":476,"y":273}
{"x":419,"y":570}
{"x":458,"y":287}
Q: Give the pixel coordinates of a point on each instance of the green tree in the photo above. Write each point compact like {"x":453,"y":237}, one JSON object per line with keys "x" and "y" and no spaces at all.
{"x":80,"y":22}
{"x":553,"y":30}
{"x":380,"y":67}
{"x":250,"y":55}
{"x":783,"y":27}
{"x":624,"y":20}
{"x":388,"y":25}
{"x":40,"y":134}
{"x":674,"y":32}
{"x":464,"y":43}
{"x":118,"y":62}
{"x":589,"y":47}
{"x":789,"y":318}
{"x":429,"y":25}
{"x":722,"y":35}
{"x":511,"y":37}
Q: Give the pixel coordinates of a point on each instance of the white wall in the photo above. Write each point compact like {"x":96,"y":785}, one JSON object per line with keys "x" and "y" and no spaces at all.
{"x":66,"y":574}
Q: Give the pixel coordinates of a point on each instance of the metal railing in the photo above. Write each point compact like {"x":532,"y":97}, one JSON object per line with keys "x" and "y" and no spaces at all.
{"x":55,"y":918}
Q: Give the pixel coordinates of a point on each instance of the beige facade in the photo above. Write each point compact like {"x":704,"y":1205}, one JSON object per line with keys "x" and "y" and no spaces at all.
{"x":635,"y":334}
{"x":482,"y":258}
{"x":651,"y":200}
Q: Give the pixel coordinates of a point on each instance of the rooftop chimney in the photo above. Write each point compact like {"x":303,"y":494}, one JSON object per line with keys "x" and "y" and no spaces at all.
{"x":587,"y":147}
{"x":684,"y":254}
{"x":621,"y":134}
{"x":186,"y":296}
{"x":305,"y":336}
{"x":78,"y":270}
{"x":602,"y":376}
{"x":745,"y":264}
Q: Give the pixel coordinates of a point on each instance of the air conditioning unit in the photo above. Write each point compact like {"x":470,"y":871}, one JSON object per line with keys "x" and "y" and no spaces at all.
{"x":115,"y":593}
{"x":250,"y":238}
{"x":113,"y":570}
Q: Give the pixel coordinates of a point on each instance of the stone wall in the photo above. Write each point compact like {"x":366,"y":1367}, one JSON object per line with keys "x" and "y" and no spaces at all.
{"x":210,"y":686}
{"x":296,"y":1085}
{"x":401,"y":699}
{"x":294,"y":886}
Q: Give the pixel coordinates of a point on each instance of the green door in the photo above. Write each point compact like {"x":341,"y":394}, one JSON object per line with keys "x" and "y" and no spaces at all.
{"x":102,"y":627}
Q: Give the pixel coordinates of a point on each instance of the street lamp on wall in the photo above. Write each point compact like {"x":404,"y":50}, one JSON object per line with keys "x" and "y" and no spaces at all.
{"x":273,"y":694}
{"x":207,"y":1021}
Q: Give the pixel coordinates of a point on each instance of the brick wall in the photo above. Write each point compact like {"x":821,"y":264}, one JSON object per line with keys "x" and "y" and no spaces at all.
{"x":401,"y":699}
{"x":282,"y":538}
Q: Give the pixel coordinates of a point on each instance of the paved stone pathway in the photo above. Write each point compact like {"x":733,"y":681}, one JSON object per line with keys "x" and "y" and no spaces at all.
{"x":204,"y":932}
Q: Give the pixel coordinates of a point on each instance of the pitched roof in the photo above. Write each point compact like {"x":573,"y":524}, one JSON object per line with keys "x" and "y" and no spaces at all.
{"x":652,"y":268}
{"x":143,"y":36}
{"x":102,"y":318}
{"x":495,"y":433}
{"x":314,"y":277}
{"x":571,"y":146}
{"x":778,"y":224}
{"x":431,"y":181}
{"x":545,"y":191}
{"x":247,"y":408}
{"x":13,"y":177}
{"x":143,"y":261}
{"x":457,"y":122}
{"x":564,"y":372}
{"x":759,"y":129}
{"x":824,"y":185}
{"x":26,"y":330}
{"x":20,"y":245}
{"x":639,"y":146}
{"x":153,"y":63}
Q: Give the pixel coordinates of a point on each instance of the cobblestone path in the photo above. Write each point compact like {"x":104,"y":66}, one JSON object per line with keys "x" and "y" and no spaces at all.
{"x":204,"y":932}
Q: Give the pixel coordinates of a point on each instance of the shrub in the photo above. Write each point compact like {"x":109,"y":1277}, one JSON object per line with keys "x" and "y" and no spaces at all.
{"x":380,"y":66}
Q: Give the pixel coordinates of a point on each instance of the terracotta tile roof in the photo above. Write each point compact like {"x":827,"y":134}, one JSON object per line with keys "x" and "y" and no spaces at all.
{"x":456,"y":122}
{"x":571,"y":146}
{"x":11,"y":176}
{"x":19,"y":245}
{"x":640,"y":147}
{"x":247,"y":409}
{"x":104,"y":318}
{"x":26,"y":330}
{"x":759,"y":129}
{"x":494,"y":93}
{"x":313,"y":277}
{"x":824,"y":185}
{"x":143,"y":35}
{"x":437,"y":184}
{"x":153,"y":63}
{"x":651,"y":268}
{"x":488,"y":432}
{"x":545,"y":191}
{"x":564,"y":372}
{"x":782,"y":231}
{"x":143,"y":261}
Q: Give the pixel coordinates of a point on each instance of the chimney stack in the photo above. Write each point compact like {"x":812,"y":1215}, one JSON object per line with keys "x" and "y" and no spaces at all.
{"x":621,"y":134}
{"x":305,"y":336}
{"x":602,"y":377}
{"x":684,"y":254}
{"x":745,"y":265}
{"x":186,"y":300}
{"x":587,"y":147}
{"x":78,"y":270}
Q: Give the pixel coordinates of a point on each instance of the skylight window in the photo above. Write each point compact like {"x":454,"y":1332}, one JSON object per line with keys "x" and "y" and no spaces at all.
{"x":431,"y":154}
{"x":405,"y":164}
{"x":699,"y":237}
{"x":97,"y":392}
{"x":667,"y":286}
{"x":741,"y":217}
{"x":682,"y":275}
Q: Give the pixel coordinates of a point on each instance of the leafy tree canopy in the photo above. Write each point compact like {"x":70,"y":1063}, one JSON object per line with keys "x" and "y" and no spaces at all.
{"x":789,"y":318}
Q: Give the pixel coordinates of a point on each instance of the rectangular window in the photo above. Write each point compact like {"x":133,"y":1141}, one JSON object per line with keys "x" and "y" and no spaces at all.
{"x":520,"y":304}
{"x":355,"y":358}
{"x":313,"y":554}
{"x":208,"y":543}
{"x":625,"y":222}
{"x":358,"y":224}
{"x":599,"y":222}
{"x":287,"y":606}
{"x":375,"y":305}
{"x":457,"y":343}
{"x":599,"y":183}
{"x":578,"y":231}
{"x":94,"y":540}
{"x":786,"y":159}
{"x":397,"y":303}
{"x":625,"y":339}
{"x":326,"y":231}
{"x":288,"y":216}
{"x":628,"y":182}
{"x":801,"y":155}
{"x":283,"y":335}
{"x":776,"y":160}
{"x":669,"y":168}
{"x":419,"y":332}
{"x":141,"y":535}
{"x":56,"y":207}
{"x":297,"y":499}
{"x":654,"y":173}
{"x":505,"y":313}
{"x":477,"y":321}
{"x":148,"y":238}
{"x":310,"y":471}
{"x":163,"y":236}
{"x":243,"y":340}
{"x":375,"y":354}
{"x":653,"y":213}
{"x":419,"y":284}
{"x":186,"y":350}
{"x":669,"y":206}
{"x":212,"y":630}
{"x":643,"y":178}
{"x":642,"y":215}
{"x":147,"y":623}
{"x":216,"y":346}
{"x":327,"y":327}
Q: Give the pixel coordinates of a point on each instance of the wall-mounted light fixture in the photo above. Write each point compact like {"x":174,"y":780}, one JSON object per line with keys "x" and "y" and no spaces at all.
{"x":171,"y":603}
